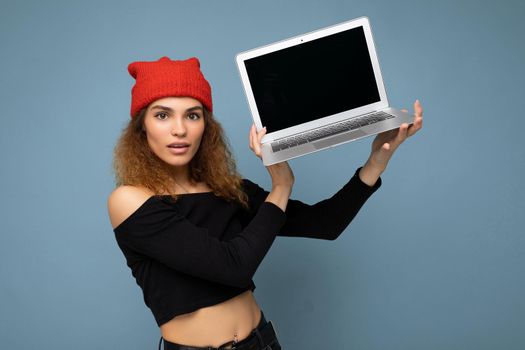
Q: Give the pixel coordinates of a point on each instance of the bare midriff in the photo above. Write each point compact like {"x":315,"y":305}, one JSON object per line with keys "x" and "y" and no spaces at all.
{"x":215,"y":325}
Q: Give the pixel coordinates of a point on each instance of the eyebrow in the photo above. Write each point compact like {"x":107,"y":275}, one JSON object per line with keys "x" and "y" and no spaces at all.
{"x":168,"y":109}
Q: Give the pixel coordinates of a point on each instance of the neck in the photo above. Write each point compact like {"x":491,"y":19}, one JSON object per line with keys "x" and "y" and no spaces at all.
{"x":181,"y":178}
{"x":181,"y":174}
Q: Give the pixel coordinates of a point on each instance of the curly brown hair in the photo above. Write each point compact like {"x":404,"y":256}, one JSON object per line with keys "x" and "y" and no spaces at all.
{"x":135,"y":164}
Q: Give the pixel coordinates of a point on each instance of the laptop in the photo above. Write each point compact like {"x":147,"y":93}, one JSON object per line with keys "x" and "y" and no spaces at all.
{"x":317,"y":90}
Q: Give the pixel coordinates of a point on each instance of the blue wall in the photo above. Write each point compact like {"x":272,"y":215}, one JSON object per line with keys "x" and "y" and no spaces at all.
{"x":435,"y":259}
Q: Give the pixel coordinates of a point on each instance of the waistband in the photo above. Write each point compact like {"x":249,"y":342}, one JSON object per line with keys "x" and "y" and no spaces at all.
{"x":261,"y":335}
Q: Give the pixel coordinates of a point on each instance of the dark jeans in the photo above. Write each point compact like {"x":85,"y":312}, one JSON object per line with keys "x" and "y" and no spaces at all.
{"x":262,"y":337}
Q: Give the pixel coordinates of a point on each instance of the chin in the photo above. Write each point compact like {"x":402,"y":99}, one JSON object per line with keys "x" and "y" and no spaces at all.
{"x":176,"y":160}
{"x":178,"y":163}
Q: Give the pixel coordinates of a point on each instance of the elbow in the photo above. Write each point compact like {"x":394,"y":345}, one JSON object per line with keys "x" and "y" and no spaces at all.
{"x":333,"y":235}
{"x":338,"y":230}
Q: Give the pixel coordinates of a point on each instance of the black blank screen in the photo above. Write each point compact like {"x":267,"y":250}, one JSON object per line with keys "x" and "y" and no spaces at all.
{"x":316,"y":79}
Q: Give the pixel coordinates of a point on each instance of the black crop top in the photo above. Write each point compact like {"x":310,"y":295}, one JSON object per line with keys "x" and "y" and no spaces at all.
{"x":202,"y":250}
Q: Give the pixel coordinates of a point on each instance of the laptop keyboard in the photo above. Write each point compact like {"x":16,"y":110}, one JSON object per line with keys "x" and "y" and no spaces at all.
{"x":331,"y":130}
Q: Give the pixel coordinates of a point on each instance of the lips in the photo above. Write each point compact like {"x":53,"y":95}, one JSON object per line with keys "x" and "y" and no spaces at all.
{"x":178,"y":148}
{"x":178,"y":145}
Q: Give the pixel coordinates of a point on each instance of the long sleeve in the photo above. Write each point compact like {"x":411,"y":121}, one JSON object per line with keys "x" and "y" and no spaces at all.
{"x":158,"y":231}
{"x":326,"y":219}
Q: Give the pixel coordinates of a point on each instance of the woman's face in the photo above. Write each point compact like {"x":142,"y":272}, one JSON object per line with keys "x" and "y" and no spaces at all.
{"x":174,"y":128}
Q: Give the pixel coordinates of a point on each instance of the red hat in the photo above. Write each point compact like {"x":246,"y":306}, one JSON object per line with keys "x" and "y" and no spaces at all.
{"x":164,"y":78}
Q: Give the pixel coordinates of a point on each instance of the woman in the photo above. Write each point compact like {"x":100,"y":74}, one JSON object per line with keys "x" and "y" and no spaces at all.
{"x":192,"y":230}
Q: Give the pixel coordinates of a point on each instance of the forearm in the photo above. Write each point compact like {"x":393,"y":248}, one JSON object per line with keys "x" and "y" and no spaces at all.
{"x":279,"y":196}
{"x":282,"y":183}
{"x":159,"y":231}
{"x":328,"y":218}
{"x":369,"y":173}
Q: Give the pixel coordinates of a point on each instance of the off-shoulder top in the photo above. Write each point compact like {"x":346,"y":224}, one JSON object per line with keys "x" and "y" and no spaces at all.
{"x":201,"y":250}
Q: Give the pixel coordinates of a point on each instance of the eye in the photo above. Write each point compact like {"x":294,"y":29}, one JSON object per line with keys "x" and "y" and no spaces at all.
{"x":161,"y":114}
{"x":194,"y":116}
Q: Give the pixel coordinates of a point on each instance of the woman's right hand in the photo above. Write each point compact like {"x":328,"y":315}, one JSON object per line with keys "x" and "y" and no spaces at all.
{"x":281,"y":173}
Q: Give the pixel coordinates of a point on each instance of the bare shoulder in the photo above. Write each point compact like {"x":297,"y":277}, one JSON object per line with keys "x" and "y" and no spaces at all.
{"x":124,"y":201}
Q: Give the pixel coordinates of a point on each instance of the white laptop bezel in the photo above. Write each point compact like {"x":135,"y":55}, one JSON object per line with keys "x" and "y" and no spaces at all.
{"x":300,"y":39}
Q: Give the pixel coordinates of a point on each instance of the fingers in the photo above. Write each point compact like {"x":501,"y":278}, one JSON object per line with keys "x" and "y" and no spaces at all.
{"x":255,"y":140}
{"x":402,"y":133}
{"x":418,"y":109}
{"x":251,"y":137}
{"x":418,"y":124}
{"x":260,"y":135}
{"x":406,"y":130}
{"x":418,"y":119}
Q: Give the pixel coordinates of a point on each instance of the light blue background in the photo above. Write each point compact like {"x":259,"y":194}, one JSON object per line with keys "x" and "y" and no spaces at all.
{"x":435,"y":259}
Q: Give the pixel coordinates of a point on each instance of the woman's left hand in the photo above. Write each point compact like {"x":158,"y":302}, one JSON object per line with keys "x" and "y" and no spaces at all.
{"x":386,"y":143}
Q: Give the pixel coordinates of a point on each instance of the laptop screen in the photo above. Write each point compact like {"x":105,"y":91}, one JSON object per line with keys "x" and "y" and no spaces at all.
{"x":313,"y":80}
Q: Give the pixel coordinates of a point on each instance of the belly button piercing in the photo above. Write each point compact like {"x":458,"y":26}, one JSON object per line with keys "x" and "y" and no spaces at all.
{"x":235,"y":339}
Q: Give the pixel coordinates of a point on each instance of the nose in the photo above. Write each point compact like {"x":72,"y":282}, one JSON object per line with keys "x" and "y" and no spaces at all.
{"x":178,"y":128}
